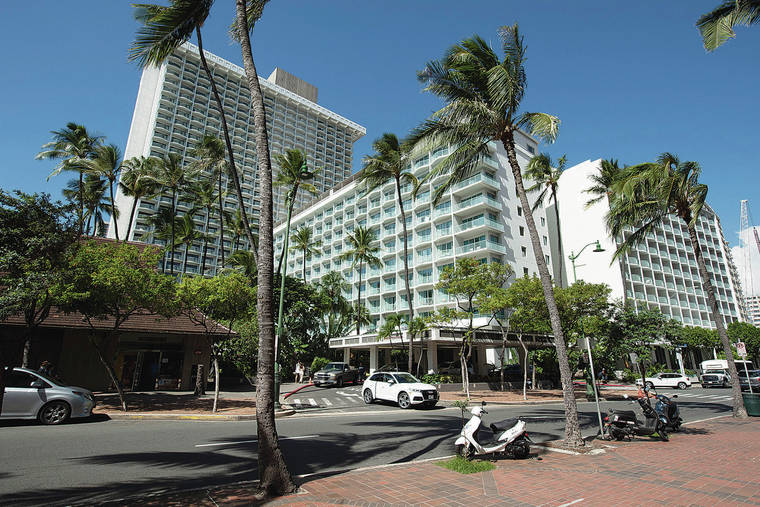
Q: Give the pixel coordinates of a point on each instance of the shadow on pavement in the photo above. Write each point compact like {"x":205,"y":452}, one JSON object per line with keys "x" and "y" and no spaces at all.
{"x":94,"y":418}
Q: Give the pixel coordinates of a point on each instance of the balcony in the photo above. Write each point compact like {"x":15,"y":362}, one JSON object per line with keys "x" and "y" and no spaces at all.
{"x":478,"y":179}
{"x":481,"y":245}
{"x":440,"y":212}
{"x":478,"y":200}
{"x":480,"y":222}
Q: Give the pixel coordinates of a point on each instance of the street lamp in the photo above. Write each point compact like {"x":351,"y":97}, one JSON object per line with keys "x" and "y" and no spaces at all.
{"x":574,"y":256}
{"x":598,"y":248}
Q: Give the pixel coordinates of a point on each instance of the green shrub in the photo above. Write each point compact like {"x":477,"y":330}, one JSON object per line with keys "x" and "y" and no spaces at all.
{"x":318,"y":363}
{"x":437,"y":379}
{"x":630,"y":376}
{"x":461,"y":465}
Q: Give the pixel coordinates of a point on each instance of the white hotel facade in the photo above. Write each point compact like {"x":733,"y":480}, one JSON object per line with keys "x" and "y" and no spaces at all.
{"x":480,"y":217}
{"x":175,"y":107}
{"x":659,"y":274}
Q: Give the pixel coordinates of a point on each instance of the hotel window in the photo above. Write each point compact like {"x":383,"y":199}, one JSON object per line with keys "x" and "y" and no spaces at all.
{"x":519,"y":211}
{"x":524,"y":251}
{"x":525,"y":271}
{"x":543,"y":221}
{"x":545,"y":240}
{"x":522,"y":231}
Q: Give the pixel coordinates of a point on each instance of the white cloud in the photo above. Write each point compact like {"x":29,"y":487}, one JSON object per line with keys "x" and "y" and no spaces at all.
{"x":750,"y":279}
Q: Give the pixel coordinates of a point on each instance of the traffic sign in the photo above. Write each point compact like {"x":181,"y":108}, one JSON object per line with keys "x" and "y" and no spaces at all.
{"x":741,"y":349}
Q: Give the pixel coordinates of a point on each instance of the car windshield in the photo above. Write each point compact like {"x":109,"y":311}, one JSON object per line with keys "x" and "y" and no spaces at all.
{"x":50,"y":378}
{"x":405,"y":378}
{"x":333,"y":366}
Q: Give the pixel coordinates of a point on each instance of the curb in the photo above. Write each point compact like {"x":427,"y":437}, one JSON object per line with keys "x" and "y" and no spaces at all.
{"x":191,"y":417}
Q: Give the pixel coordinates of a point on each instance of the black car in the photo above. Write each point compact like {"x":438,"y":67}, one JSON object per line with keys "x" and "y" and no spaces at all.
{"x":714,"y":380}
{"x":336,"y":374}
{"x":754,"y":380}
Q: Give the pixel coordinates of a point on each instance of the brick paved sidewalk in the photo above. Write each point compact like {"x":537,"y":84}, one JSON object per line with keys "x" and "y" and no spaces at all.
{"x":710,"y":463}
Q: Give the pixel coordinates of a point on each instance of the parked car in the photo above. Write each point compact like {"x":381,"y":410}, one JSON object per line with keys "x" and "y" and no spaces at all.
{"x":674,"y":380}
{"x":399,"y":387}
{"x":32,"y":395}
{"x":512,"y":373}
{"x":715,"y":379}
{"x":336,"y":374}
{"x":754,"y":380}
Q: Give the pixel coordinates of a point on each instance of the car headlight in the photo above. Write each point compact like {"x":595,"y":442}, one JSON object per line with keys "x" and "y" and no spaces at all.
{"x":333,"y":375}
{"x":414,"y":390}
{"x":87,"y":396}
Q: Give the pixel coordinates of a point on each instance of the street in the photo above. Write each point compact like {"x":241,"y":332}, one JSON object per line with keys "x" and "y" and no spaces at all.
{"x":95,"y":461}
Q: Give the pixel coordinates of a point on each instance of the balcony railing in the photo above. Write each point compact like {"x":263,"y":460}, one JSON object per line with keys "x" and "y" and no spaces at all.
{"x":479,"y":222}
{"x":478,"y":199}
{"x":480,"y":245}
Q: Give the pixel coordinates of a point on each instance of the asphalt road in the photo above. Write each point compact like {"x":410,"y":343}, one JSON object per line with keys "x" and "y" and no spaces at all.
{"x":96,"y":461}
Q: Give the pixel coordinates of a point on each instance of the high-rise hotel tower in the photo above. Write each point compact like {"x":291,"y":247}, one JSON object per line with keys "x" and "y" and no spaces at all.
{"x":175,"y":108}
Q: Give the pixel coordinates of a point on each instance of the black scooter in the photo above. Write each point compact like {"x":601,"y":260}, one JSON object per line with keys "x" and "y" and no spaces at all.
{"x":623,"y":424}
{"x":669,"y":408}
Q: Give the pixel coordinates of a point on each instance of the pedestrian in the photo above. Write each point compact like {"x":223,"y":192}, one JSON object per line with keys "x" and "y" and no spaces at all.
{"x":603,"y":376}
{"x":46,"y":368}
{"x":299,"y":372}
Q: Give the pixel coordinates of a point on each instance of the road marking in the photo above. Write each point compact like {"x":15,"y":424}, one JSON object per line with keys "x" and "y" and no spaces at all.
{"x":571,"y":503}
{"x":295,"y":402}
{"x":353,"y":400}
{"x":255,"y":440}
{"x":312,"y":402}
{"x":327,"y":402}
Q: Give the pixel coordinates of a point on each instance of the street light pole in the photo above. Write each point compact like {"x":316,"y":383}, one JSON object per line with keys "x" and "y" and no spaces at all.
{"x":574,"y":256}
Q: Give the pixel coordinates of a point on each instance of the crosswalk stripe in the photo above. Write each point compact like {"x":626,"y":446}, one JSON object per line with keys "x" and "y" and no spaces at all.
{"x":295,"y":401}
{"x":327,"y":402}
{"x":312,"y":402}
{"x":353,"y":400}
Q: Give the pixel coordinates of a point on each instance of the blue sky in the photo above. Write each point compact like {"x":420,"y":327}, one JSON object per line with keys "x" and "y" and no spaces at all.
{"x":628,"y":80}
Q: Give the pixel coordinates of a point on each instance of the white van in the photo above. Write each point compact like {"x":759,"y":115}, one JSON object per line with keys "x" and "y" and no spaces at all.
{"x":721,"y":366}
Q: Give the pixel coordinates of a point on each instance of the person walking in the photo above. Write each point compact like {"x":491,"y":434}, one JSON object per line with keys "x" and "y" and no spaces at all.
{"x":299,"y":372}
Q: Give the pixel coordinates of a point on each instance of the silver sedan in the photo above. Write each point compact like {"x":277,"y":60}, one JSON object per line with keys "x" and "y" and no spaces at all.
{"x":32,"y":395}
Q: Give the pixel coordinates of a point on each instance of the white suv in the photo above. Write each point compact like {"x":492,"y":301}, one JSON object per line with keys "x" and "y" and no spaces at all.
{"x":399,"y":387}
{"x":674,"y":380}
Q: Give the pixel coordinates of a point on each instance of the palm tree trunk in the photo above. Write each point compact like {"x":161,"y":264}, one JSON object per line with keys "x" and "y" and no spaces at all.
{"x":113,"y":212}
{"x":233,"y":169}
{"x":205,"y":242}
{"x":406,"y":270}
{"x":274,"y":477}
{"x":184,"y":260}
{"x":736,"y":392}
{"x":131,"y":218}
{"x":573,"y":437}
{"x":559,"y":240}
{"x":287,"y":231}
{"x":27,"y":348}
{"x":81,"y":202}
{"x":304,"y":265}
{"x":221,"y":218}
{"x":525,"y":366}
{"x":359,"y":301}
{"x":174,"y":213}
{"x":89,"y":219}
{"x":216,"y":382}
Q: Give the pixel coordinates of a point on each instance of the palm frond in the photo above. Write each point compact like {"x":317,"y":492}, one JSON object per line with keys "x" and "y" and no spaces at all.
{"x":717,"y":26}
{"x":541,"y":125}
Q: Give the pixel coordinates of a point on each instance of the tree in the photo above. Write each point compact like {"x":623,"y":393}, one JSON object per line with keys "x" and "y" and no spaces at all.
{"x":204,"y":195}
{"x":96,"y":205}
{"x":336,"y":310}
{"x":71,"y":145}
{"x":293,"y":174}
{"x":111,"y":282}
{"x":137,"y":183}
{"x":361,"y":250}
{"x":235,"y":222}
{"x":187,"y":234}
{"x":603,"y":182}
{"x":717,"y":26}
{"x":482,"y":95}
{"x":171,"y":174}
{"x":390,"y":162}
{"x":164,"y":221}
{"x":650,"y":193}
{"x":209,"y":302}
{"x":210,"y":154}
{"x":164,"y":29}
{"x":245,"y":262}
{"x":546,"y":179}
{"x":36,"y":235}
{"x":469,"y":282}
{"x":274,"y":477}
{"x":303,"y":240}
{"x":696,"y":338}
{"x":747,"y":333}
{"x":106,"y":164}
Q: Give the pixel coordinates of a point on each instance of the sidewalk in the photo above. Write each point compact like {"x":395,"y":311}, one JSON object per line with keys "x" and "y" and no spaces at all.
{"x":709,"y":463}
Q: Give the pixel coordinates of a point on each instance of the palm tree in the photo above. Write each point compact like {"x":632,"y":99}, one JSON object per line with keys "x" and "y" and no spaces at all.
{"x":602,"y":184}
{"x":235,"y":222}
{"x":204,"y":195}
{"x":164,"y":29}
{"x":652,"y":192}
{"x":303,"y":241}
{"x":96,"y":205}
{"x":546,"y":179}
{"x":362,"y":250}
{"x":210,"y":154}
{"x":482,"y":95}
{"x":274,"y":477}
{"x":337,"y":312}
{"x":172,"y":175}
{"x":293,"y":174}
{"x":187,"y":234}
{"x":164,"y":223}
{"x":106,"y":163}
{"x":137,"y":183}
{"x":71,"y":146}
{"x":391,"y":162}
{"x":717,"y":26}
{"x":243,"y":262}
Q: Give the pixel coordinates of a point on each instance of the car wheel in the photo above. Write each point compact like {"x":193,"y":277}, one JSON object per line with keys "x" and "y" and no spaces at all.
{"x":649,"y":385}
{"x":682,"y":385}
{"x":54,"y":412}
{"x":340,"y":382}
{"x":367,"y":395}
{"x":404,"y":401}
{"x":725,"y":384}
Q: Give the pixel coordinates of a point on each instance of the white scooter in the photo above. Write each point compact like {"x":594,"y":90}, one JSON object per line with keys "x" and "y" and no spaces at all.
{"x":513,"y":441}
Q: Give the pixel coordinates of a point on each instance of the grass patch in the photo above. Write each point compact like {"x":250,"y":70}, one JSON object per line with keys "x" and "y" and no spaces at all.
{"x":461,"y":465}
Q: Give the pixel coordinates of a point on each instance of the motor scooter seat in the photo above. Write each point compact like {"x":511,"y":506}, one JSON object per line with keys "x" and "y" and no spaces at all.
{"x":503,"y":425}
{"x":626,"y":414}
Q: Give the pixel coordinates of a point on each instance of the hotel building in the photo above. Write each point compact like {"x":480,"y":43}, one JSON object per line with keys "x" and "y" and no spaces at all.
{"x":175,"y":108}
{"x":753,"y":310}
{"x":480,"y":217}
{"x":661,"y":273}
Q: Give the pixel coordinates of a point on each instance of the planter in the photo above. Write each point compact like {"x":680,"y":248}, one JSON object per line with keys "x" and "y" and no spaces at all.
{"x":752,"y":404}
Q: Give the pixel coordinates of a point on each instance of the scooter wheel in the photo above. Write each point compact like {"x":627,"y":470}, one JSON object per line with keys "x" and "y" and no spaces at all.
{"x":521,"y":450}
{"x":464,"y":451}
{"x":663,"y":434}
